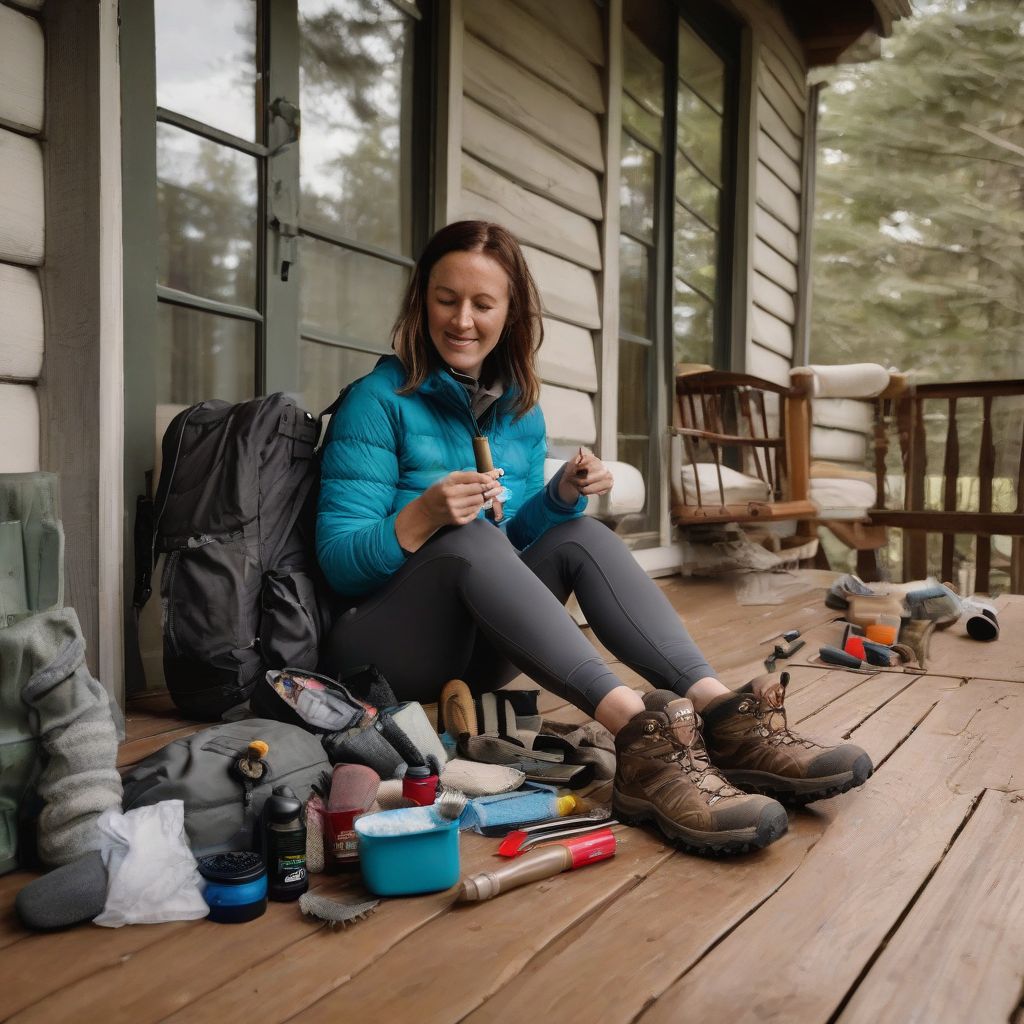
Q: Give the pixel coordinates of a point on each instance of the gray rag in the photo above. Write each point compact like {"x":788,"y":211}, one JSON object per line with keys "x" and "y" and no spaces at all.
{"x":593,"y":742}
{"x":70,"y":713}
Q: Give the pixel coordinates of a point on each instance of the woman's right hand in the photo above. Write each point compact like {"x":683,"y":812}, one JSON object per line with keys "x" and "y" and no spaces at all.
{"x":453,"y":501}
{"x":457,"y":498}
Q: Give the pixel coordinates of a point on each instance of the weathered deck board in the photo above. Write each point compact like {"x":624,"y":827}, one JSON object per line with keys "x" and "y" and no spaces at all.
{"x":900,"y":901}
{"x":958,"y":954}
{"x":636,"y":949}
{"x":815,"y":936}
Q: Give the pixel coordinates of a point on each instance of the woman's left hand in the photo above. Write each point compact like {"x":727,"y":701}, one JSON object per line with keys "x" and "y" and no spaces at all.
{"x":586,"y":474}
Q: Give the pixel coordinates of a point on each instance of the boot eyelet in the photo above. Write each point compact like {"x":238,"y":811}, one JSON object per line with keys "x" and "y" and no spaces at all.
{"x":649,"y":727}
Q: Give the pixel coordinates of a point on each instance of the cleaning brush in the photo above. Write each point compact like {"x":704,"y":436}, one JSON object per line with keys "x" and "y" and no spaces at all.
{"x":451,"y":803}
{"x":334,"y":912}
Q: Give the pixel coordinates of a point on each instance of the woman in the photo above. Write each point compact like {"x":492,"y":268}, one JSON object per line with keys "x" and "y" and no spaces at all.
{"x":439,"y":591}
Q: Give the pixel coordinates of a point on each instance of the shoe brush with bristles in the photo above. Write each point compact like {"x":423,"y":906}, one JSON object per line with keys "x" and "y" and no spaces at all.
{"x":333,"y":912}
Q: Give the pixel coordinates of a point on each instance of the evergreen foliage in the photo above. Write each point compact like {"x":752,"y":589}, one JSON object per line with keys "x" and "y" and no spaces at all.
{"x":918,"y":258}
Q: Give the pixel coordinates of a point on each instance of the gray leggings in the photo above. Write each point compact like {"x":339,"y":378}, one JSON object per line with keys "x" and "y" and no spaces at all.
{"x":469,"y":606}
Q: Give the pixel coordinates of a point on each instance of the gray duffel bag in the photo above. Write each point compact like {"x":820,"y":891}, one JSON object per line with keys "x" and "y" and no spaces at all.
{"x":222,"y":805}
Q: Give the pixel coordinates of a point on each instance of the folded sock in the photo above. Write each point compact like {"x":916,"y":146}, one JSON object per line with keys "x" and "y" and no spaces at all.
{"x":937,"y":603}
{"x":66,"y":896}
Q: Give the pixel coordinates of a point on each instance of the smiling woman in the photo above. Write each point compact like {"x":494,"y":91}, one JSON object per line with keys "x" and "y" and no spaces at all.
{"x":467,"y":305}
{"x":401,"y":535}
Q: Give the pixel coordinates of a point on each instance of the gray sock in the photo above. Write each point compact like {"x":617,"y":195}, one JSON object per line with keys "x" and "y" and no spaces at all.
{"x":67,"y":895}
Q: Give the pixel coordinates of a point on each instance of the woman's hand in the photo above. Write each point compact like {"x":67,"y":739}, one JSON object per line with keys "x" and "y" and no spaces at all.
{"x":454,"y":500}
{"x":584,"y":473}
{"x":457,"y":498}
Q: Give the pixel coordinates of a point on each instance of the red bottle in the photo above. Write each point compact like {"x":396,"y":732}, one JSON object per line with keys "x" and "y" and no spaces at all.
{"x":420,"y":784}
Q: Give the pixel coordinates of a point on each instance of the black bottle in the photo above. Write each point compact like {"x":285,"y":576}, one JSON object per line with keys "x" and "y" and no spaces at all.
{"x":284,"y":845}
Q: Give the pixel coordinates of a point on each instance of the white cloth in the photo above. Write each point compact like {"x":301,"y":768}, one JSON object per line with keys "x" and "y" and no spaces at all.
{"x":151,"y":874}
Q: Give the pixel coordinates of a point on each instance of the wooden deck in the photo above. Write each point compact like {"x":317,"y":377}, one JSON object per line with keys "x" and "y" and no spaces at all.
{"x":902,"y":901}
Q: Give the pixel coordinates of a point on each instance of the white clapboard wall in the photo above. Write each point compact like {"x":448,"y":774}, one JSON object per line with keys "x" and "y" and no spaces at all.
{"x":779,"y":105}
{"x":532,"y":107}
{"x":21,"y":234}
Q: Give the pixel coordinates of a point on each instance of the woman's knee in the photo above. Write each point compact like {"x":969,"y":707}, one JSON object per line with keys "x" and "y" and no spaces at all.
{"x":472,"y":540}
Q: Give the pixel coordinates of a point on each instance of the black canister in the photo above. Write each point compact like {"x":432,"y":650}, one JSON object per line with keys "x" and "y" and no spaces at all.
{"x":235,"y":886}
{"x":284,"y":845}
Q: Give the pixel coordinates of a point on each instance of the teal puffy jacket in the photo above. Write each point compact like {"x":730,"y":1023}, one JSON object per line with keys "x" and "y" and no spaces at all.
{"x":383,"y":450}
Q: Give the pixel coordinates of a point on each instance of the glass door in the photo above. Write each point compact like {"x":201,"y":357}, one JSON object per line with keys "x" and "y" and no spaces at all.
{"x":276,"y":175}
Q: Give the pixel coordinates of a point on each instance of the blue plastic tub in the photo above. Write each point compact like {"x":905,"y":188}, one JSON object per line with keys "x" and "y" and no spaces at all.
{"x":423,"y":857}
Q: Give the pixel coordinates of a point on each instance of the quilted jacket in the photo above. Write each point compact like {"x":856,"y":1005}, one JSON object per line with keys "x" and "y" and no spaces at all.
{"x":383,"y":450}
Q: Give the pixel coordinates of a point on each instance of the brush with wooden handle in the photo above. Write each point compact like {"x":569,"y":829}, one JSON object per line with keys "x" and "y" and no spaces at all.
{"x":485,"y":464}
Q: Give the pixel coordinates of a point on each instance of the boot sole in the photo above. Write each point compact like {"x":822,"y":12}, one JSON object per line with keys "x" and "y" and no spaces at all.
{"x":631,"y":811}
{"x":800,"y":792}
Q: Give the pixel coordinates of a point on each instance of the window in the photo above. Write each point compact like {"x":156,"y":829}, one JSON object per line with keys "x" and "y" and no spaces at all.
{"x":276,"y":176}
{"x":276,"y":185}
{"x":677,"y":171}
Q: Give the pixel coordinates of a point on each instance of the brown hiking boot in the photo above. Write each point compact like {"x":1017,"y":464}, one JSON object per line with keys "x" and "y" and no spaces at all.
{"x":749,"y":742}
{"x":663,"y":775}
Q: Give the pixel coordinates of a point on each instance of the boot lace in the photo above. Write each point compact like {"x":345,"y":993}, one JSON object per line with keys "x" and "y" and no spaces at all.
{"x":693,"y":759}
{"x":773,"y":725}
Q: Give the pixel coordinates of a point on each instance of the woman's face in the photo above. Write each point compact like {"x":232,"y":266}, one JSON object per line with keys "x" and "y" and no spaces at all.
{"x":467,"y":304}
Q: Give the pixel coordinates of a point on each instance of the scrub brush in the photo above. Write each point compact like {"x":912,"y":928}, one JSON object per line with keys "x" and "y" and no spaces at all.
{"x":450,"y":804}
{"x":333,"y":911}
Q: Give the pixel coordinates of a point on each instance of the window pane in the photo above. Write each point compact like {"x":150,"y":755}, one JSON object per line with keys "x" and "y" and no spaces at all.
{"x":356,"y":88}
{"x":636,"y":188}
{"x":646,"y":125}
{"x":206,"y":62}
{"x":699,"y":133}
{"x":696,"y":191}
{"x":701,"y":67}
{"x":692,"y":326}
{"x":642,"y":74}
{"x":348,"y":294}
{"x":634,"y":306}
{"x":325,"y":369}
{"x":201,"y":355}
{"x":206,"y":203}
{"x":696,"y":251}
{"x":634,"y":404}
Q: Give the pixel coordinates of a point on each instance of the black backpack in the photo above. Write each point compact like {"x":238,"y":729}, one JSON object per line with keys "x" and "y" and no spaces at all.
{"x":234,"y":514}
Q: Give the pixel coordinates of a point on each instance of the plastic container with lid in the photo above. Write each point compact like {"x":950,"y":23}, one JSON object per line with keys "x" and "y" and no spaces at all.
{"x":408,"y":851}
{"x":235,"y":886}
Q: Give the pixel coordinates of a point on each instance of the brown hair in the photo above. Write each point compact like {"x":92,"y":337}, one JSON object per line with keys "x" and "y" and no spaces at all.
{"x":513,"y":358}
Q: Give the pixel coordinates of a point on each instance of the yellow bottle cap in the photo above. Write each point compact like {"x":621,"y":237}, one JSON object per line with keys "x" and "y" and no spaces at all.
{"x":567,"y":804}
{"x":258,"y":749}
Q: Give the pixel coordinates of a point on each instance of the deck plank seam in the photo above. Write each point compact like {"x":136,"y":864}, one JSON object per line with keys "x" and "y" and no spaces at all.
{"x":754,"y":908}
{"x":910,"y":732}
{"x":846,"y":735}
{"x":911,"y":903}
{"x":581,"y":923}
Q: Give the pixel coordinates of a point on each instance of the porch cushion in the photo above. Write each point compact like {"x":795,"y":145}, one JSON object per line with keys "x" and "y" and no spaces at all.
{"x":841,"y":492}
{"x":739,"y":487}
{"x":626,"y":497}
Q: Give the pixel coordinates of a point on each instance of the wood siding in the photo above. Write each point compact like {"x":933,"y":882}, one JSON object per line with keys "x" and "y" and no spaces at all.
{"x":531,"y":157}
{"x":22,"y":236}
{"x":778,"y":109}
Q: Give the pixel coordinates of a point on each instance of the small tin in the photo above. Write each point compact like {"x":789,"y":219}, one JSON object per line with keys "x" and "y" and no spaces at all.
{"x":236,"y":886}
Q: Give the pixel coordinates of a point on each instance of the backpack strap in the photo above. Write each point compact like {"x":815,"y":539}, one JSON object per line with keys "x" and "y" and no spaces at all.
{"x":147,"y":520}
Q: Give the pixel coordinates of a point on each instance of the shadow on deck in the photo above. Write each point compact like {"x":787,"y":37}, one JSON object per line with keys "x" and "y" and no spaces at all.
{"x":901,"y":901}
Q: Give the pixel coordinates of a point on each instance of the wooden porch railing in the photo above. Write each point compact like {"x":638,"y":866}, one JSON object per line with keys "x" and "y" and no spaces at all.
{"x":906,"y":417}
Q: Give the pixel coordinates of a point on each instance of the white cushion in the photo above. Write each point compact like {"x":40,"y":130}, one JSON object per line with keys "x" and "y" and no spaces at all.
{"x":842,"y":498}
{"x":838,"y":445}
{"x":851,"y":380}
{"x":844,"y":413}
{"x":625,"y":498}
{"x":739,"y":488}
